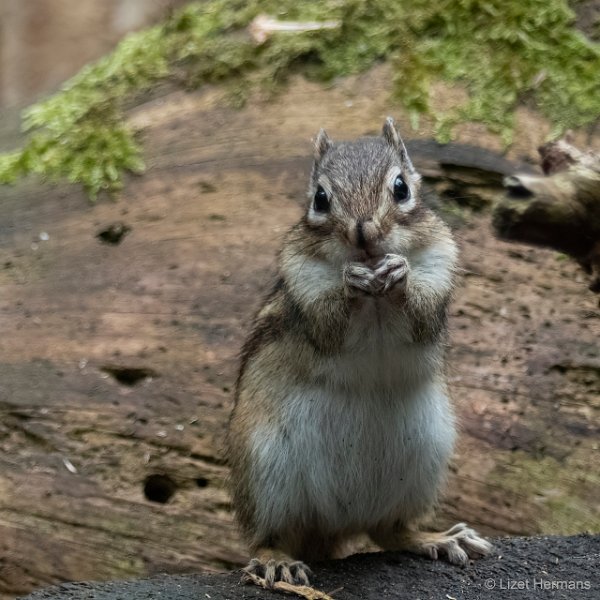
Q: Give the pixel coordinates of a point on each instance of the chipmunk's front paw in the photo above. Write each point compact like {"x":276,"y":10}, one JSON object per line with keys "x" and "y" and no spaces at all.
{"x":296,"y":572}
{"x":391,"y":272}
{"x":359,"y":279}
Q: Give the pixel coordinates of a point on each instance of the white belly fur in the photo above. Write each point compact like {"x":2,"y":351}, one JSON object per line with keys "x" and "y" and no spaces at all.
{"x":367,"y":442}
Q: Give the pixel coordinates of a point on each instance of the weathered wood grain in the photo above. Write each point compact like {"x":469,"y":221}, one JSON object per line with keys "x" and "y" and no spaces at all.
{"x":175,"y":297}
{"x":561,"y":210}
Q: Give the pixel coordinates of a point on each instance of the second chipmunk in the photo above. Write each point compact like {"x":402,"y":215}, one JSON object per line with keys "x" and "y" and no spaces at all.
{"x":342,"y":423}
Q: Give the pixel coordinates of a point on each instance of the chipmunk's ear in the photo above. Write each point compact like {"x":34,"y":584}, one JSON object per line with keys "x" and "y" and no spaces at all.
{"x":392,"y":137}
{"x":322,"y":144}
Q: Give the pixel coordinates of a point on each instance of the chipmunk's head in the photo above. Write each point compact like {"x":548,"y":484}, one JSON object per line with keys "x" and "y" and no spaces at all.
{"x":364,"y":195}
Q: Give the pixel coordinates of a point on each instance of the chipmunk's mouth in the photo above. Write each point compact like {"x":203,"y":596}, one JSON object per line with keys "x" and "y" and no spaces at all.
{"x":367,"y":256}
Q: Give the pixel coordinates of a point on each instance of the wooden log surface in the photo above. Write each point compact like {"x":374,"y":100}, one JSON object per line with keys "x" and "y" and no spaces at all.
{"x":117,"y":360}
{"x":560,"y":210}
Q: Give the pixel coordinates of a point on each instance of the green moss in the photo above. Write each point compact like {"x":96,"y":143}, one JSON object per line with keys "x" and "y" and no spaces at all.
{"x":561,"y":494}
{"x":503,"y":52}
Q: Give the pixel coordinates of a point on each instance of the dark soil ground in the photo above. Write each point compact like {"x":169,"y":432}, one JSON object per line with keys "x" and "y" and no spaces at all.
{"x":117,"y":360}
{"x":519,"y":569}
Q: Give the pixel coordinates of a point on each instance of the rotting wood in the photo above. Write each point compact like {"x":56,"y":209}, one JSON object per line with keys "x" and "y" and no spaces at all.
{"x":175,"y":297}
{"x":560,"y":210}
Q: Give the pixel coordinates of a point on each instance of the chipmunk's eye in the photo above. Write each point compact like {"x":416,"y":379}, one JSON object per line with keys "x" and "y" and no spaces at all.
{"x":401,"y":190}
{"x":321,"y":202}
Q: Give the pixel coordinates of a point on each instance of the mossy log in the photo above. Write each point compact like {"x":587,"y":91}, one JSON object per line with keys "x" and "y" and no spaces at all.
{"x":560,"y":209}
{"x":117,"y":360}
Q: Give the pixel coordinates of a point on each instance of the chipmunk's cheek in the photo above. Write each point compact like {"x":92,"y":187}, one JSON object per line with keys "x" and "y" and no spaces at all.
{"x":335,"y":250}
{"x":317,"y":220}
{"x":398,"y":240}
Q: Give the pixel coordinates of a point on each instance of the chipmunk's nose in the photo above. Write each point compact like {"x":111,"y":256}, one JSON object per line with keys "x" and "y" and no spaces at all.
{"x":367,"y":232}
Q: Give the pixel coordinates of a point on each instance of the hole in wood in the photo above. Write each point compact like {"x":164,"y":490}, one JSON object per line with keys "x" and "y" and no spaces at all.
{"x":201,"y":482}
{"x":129,"y":375}
{"x":114,"y":233}
{"x":159,"y":488}
{"x":516,"y":189}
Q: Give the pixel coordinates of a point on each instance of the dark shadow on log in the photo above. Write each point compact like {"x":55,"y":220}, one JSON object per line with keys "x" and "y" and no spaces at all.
{"x":540,"y":567}
{"x":560,"y":210}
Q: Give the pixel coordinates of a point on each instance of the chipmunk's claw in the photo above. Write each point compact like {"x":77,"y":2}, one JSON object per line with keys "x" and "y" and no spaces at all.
{"x":295,"y":573}
{"x":458,"y":544}
{"x":359,"y":279}
{"x":391,"y":272}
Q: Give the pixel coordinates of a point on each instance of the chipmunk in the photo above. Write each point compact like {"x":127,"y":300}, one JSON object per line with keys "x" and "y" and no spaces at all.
{"x":342,"y":423}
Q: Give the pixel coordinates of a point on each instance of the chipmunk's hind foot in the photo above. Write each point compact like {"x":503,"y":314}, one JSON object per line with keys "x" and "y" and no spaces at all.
{"x":457,"y":545}
{"x":272,"y":570}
